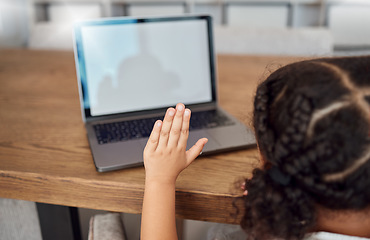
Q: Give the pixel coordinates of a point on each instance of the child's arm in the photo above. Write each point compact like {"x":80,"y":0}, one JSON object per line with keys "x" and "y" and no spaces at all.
{"x":165,"y":156}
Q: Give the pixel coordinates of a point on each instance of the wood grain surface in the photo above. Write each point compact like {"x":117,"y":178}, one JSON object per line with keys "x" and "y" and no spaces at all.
{"x":45,"y":156}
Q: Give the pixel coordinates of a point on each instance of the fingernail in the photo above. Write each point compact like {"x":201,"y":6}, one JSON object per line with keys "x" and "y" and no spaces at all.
{"x":171,"y":113}
{"x":159,"y":123}
{"x":180,"y":107}
{"x":200,"y":153}
{"x":245,"y":193}
{"x":187,"y":112}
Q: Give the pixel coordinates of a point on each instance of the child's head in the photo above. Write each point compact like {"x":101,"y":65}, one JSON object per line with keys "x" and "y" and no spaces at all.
{"x":312,"y":124}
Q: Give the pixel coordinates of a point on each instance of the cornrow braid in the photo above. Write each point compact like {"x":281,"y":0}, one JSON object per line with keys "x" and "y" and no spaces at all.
{"x":264,"y":95}
{"x":312,"y":124}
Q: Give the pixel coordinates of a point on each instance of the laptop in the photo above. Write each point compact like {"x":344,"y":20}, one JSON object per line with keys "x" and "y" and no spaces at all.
{"x":130,"y":70}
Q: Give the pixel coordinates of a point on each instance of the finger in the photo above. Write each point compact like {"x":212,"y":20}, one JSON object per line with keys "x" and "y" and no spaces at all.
{"x":195,"y":150}
{"x":176,"y":126}
{"x":166,"y":126}
{"x":185,"y":129}
{"x":152,"y":142}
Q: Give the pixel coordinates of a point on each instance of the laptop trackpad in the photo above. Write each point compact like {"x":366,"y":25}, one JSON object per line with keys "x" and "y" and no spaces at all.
{"x":194,"y":136}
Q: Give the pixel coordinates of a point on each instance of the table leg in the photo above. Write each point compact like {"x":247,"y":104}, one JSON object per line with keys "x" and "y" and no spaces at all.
{"x":58,"y":222}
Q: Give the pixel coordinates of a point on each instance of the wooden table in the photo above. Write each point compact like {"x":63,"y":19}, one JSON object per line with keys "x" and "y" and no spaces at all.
{"x":45,"y":156}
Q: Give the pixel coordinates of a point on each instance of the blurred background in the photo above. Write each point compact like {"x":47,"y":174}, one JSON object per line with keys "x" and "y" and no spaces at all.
{"x":264,"y":27}
{"x":325,"y":27}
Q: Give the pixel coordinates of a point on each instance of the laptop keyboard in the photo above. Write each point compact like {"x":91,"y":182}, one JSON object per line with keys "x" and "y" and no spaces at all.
{"x":126,"y":130}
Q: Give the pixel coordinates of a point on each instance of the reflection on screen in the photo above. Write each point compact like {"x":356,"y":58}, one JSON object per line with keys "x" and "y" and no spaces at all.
{"x":132,"y":67}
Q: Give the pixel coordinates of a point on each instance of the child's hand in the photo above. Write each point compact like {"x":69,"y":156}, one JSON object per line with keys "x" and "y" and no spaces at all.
{"x":165,"y":154}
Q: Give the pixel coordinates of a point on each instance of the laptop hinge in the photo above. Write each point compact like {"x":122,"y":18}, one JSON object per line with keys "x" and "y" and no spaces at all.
{"x":149,"y":113}
{"x":131,"y":115}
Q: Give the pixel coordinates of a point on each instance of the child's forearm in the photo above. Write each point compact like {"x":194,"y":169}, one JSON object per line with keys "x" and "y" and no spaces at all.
{"x":158,"y":215}
{"x":165,"y":156}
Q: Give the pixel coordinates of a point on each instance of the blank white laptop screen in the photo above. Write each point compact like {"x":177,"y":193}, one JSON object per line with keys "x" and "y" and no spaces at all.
{"x":133,"y":67}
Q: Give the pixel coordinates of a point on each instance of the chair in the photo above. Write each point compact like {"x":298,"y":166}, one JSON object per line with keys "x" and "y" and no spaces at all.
{"x":107,"y":227}
{"x":19,"y":220}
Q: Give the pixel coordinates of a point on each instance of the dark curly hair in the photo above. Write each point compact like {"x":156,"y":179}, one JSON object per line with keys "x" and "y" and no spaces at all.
{"x":312,"y":124}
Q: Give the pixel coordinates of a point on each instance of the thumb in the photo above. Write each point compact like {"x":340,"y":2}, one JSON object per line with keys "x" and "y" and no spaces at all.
{"x":195,"y":150}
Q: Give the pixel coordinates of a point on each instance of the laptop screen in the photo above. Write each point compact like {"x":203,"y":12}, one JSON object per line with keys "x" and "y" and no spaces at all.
{"x":128,"y":65}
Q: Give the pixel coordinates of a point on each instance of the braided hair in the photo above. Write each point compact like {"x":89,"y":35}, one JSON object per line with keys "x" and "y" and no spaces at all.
{"x":312,"y":124}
